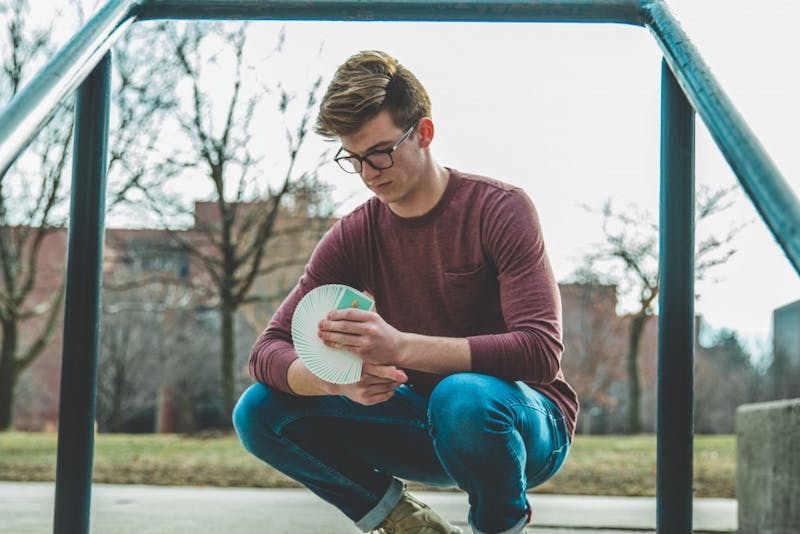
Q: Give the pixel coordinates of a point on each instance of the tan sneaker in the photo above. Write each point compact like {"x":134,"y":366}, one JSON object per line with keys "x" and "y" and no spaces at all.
{"x":412,"y":516}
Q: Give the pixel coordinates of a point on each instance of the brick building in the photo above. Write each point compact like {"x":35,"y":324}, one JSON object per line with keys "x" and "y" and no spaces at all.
{"x":133,"y":255}
{"x":595,"y":357}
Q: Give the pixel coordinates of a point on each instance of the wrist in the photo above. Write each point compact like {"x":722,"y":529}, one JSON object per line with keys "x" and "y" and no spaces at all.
{"x":305,"y":383}
{"x":405,"y":351}
{"x":329,"y":388}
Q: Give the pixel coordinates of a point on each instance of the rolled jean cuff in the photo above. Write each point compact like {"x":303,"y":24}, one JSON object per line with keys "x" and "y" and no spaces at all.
{"x":516,"y":529}
{"x":383,"y":508}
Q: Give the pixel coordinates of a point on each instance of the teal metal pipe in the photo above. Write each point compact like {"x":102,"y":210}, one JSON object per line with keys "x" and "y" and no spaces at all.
{"x":76,"y":413}
{"x":612,"y":11}
{"x":30,"y":109}
{"x":775,"y":201}
{"x":675,"y":311}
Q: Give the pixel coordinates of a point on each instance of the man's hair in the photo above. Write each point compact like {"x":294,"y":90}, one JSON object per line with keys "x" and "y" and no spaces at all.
{"x":363,"y":86}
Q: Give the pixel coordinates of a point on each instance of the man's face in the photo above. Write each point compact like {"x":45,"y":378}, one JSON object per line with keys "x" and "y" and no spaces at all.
{"x":397,"y":184}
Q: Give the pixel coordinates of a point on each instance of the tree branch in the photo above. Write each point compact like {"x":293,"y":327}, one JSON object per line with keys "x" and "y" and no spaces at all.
{"x":47,"y":332}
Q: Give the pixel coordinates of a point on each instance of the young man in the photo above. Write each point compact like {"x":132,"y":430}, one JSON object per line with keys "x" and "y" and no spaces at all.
{"x":461,"y":383}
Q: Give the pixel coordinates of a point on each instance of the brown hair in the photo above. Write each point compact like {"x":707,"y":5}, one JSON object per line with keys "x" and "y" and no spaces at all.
{"x":365,"y":85}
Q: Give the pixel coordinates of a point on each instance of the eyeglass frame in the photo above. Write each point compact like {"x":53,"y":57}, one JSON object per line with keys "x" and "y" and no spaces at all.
{"x":361,"y":159}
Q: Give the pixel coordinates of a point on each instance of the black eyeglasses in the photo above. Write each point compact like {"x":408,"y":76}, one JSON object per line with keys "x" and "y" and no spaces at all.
{"x":377,"y":159}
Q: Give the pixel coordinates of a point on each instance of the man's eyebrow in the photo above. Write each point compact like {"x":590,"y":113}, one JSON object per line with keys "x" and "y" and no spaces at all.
{"x":370,"y":149}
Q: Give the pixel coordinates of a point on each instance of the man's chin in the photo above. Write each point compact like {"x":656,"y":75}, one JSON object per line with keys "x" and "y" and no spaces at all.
{"x":384,"y":196}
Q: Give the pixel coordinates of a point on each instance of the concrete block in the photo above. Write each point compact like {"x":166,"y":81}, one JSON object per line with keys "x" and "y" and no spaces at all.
{"x":768,"y":467}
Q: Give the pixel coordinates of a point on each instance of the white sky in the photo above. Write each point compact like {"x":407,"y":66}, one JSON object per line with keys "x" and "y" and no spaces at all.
{"x":571,"y":114}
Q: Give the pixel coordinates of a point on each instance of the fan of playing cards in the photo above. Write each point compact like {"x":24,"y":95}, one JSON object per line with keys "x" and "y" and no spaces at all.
{"x":331,"y":365}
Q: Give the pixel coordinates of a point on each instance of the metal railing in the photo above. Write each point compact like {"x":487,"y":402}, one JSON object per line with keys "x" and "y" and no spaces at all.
{"x":687,"y":86}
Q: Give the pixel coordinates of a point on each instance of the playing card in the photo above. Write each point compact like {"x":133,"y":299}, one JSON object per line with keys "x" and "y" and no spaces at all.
{"x":352,"y":298}
{"x":332,"y":365}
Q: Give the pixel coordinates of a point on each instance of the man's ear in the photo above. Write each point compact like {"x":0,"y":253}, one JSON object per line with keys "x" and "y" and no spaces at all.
{"x":425,"y":131}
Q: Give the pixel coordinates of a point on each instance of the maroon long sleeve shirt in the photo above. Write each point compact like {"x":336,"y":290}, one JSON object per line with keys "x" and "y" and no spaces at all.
{"x":474,"y":267}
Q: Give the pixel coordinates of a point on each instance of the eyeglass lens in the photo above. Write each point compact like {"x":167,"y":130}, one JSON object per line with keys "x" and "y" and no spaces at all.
{"x":377,"y":160}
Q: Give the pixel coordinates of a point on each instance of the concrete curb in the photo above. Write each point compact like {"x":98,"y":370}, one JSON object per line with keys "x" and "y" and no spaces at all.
{"x":27,"y":508}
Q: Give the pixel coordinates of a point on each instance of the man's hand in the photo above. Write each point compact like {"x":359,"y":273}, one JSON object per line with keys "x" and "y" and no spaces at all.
{"x":372,"y":339}
{"x":377,"y":384}
{"x":364,"y":334}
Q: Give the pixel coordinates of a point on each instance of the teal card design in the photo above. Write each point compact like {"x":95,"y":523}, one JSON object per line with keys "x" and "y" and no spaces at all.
{"x":355,"y":299}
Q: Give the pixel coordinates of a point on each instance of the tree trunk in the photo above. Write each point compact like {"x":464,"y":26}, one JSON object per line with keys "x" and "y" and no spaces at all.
{"x":168,"y":411}
{"x":8,"y":381}
{"x":634,"y":387}
{"x":228,"y":352}
{"x":8,"y":374}
{"x":117,"y":394}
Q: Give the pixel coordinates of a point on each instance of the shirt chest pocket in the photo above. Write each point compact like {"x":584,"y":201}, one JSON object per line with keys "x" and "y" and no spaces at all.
{"x":466,"y":293}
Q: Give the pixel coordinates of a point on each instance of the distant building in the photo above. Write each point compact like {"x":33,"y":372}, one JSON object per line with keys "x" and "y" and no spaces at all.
{"x":595,"y":357}
{"x":786,"y":351}
{"x":595,"y":335}
{"x":130,"y":255}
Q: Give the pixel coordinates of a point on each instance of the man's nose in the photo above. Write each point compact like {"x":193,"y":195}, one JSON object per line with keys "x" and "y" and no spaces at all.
{"x":368,"y":172}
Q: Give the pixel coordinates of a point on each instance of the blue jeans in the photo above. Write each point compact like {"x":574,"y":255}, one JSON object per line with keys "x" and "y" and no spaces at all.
{"x":492,"y":438}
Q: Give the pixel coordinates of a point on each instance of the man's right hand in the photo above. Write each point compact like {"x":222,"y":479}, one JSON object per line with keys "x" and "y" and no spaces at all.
{"x":377,"y":384}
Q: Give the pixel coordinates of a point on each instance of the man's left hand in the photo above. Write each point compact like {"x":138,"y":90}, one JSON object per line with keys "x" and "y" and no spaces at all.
{"x":364,"y":334}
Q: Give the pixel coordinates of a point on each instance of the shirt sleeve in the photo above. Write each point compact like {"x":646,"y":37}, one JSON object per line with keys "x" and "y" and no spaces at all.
{"x":531,"y":348}
{"x":273,"y":351}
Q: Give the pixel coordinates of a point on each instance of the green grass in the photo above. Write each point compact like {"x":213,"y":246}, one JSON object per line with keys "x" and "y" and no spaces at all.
{"x":626,"y":465}
{"x":597,"y":465}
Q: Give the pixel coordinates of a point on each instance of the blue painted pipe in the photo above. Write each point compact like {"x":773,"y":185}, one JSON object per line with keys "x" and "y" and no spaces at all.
{"x":769,"y":192}
{"x":615,"y":11}
{"x":76,"y":413}
{"x":676,"y":311}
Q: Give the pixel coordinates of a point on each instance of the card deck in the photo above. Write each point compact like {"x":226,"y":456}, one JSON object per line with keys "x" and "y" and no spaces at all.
{"x":331,"y":365}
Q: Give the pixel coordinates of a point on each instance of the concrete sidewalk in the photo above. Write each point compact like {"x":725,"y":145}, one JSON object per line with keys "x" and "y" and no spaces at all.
{"x":27,"y":507}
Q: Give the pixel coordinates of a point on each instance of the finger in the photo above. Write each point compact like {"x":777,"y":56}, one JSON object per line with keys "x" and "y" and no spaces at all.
{"x":350,"y":314}
{"x":376,"y":398}
{"x":377,"y":391}
{"x":384,"y":371}
{"x":382,"y":398}
{"x":340,"y":340}
{"x":369,"y":380}
{"x":394,"y":374}
{"x":372,"y":394}
{"x":345,"y":327}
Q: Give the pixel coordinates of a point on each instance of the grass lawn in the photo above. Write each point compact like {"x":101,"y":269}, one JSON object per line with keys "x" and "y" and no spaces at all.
{"x":603,"y":465}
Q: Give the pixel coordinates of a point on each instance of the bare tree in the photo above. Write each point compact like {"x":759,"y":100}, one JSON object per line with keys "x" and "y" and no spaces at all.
{"x":236,"y":236}
{"x":140,"y":106}
{"x":149,"y":331}
{"x":628,"y":258}
{"x":128,"y":363}
{"x":31,"y":195}
{"x":32,"y":207}
{"x":725,"y":378}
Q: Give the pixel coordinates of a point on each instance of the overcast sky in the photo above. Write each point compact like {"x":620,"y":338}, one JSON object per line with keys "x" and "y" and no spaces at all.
{"x":570,"y":112}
